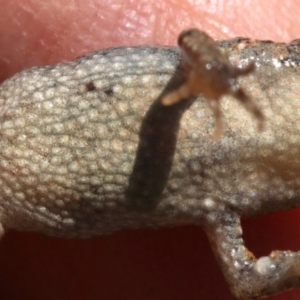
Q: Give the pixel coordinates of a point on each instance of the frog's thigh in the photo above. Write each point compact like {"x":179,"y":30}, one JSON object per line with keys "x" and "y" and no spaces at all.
{"x":248,"y":277}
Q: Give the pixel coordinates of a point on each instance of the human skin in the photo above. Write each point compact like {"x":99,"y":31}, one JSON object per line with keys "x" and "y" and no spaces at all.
{"x":165,"y":264}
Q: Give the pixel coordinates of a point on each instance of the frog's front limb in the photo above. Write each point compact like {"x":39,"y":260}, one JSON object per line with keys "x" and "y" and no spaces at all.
{"x":249,"y":277}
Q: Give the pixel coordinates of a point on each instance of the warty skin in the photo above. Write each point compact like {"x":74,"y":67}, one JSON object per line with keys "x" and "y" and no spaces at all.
{"x":87,"y":148}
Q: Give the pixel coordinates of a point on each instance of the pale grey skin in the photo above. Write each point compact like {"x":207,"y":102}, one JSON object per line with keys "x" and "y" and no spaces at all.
{"x":87,"y":148}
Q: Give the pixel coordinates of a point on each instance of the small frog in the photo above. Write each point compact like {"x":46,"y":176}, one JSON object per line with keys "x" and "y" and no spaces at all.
{"x":86,"y":149}
{"x":209,"y":73}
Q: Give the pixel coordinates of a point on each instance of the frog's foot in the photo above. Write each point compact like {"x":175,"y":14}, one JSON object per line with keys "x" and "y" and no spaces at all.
{"x":248,"y":277}
{"x":184,"y":92}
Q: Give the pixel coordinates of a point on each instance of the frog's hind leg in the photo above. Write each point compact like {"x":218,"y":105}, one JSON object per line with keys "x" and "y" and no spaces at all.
{"x":248,"y":277}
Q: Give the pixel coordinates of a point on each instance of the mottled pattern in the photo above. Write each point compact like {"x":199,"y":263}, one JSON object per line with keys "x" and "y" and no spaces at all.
{"x":87,"y":148}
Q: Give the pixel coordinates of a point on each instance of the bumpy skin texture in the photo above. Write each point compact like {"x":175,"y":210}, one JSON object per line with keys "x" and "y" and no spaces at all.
{"x":87,"y":148}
